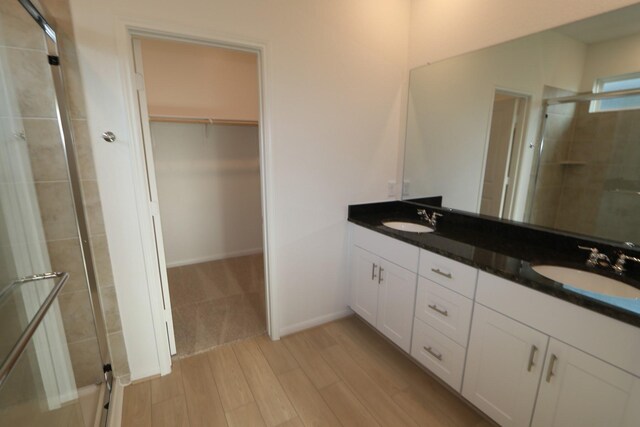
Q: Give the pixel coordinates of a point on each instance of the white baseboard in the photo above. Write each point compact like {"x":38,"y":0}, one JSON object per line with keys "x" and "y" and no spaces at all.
{"x":217,"y":257}
{"x":115,"y":404}
{"x":316,"y":321}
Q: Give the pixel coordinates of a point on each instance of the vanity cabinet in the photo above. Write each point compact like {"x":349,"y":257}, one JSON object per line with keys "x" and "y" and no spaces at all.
{"x":443,"y":316}
{"x":509,"y":364}
{"x":530,"y":350}
{"x":580,"y":390}
{"x":383,"y":291}
{"x":504,"y":365}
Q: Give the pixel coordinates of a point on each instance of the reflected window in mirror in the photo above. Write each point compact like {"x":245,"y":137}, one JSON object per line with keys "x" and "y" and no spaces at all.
{"x":614,"y":84}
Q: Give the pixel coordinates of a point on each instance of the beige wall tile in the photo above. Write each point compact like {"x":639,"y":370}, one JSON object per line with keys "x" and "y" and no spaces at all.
{"x":31,"y":78}
{"x":85,"y":359}
{"x":17,"y":28}
{"x":83,"y":150}
{"x":77,"y":316}
{"x":93,"y":207}
{"x":45,"y":150}
{"x":110,"y":308}
{"x":65,"y":255}
{"x":118,"y":350}
{"x":56,"y":207}
{"x":102,"y":260}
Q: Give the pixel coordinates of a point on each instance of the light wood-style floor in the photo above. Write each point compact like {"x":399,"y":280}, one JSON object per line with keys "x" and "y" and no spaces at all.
{"x":339,"y":374}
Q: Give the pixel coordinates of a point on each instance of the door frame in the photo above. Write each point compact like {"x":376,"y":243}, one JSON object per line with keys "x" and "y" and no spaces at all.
{"x":142,"y":183}
{"x":516,"y":149}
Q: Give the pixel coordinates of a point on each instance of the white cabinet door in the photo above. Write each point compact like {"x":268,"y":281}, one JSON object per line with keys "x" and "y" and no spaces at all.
{"x":364,"y":284}
{"x":395,"y":303}
{"x":579,"y":390}
{"x":503,"y":368}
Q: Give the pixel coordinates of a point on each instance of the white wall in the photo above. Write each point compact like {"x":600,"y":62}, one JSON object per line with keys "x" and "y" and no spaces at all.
{"x":445,"y":28}
{"x":208,"y":189}
{"x":611,"y":58}
{"x":221,"y":83}
{"x":335,"y":88}
{"x":450,"y":110}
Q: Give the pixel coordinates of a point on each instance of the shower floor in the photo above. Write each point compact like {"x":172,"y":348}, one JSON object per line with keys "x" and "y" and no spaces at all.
{"x":217,"y":302}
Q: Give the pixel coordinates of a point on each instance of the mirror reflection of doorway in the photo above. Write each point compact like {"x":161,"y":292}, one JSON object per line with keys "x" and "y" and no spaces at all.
{"x":503,"y":153}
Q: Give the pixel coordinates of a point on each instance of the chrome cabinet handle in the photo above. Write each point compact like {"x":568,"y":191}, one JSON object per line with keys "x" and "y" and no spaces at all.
{"x":380,"y":275}
{"x":532,"y":355}
{"x":433,"y":353}
{"x":434,"y":307}
{"x":552,"y":362}
{"x":442,"y":273}
{"x":373,"y":271}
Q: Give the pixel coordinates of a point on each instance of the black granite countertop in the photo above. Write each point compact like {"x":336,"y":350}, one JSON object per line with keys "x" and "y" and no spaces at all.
{"x":504,"y":248}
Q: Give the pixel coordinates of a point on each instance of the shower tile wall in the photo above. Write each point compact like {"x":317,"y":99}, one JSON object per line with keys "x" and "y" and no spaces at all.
{"x":61,"y":12}
{"x":589,"y":177}
{"x":617,"y":216}
{"x":32,"y":79}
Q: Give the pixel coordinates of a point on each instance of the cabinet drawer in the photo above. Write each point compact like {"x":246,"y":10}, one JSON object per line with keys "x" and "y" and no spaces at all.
{"x":400,"y":253}
{"x":439,"y":354}
{"x":449,"y":273}
{"x":444,"y":310}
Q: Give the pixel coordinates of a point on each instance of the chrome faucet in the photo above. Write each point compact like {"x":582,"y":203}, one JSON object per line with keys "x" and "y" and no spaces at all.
{"x":622,"y":259}
{"x":432,"y":220}
{"x":596,"y":258}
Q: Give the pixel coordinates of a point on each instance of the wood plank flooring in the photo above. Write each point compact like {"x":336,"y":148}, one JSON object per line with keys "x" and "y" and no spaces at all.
{"x":339,"y":374}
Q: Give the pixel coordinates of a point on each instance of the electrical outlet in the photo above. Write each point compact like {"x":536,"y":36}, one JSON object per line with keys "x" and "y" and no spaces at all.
{"x":391,"y":188}
{"x":405,"y":188}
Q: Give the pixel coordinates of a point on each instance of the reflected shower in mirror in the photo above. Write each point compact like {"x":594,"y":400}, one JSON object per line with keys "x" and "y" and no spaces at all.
{"x":539,"y":130}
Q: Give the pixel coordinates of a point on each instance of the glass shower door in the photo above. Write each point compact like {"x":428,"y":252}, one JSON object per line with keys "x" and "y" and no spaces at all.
{"x":58,"y":379}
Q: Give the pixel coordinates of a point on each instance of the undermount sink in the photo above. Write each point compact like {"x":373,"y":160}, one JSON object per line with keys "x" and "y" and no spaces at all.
{"x":411,"y":227}
{"x":587,"y":281}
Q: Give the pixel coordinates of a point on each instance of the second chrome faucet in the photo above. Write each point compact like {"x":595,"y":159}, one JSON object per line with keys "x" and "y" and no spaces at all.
{"x":597,"y":258}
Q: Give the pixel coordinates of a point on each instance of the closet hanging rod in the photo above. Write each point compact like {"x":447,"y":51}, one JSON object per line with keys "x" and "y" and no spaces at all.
{"x":203,"y":120}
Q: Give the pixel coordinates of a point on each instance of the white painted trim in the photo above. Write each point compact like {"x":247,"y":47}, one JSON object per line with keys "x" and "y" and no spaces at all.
{"x":152,"y":195}
{"x":126,"y":30}
{"x":115,"y":404}
{"x":217,"y":257}
{"x":316,"y":321}
{"x":137,"y":158}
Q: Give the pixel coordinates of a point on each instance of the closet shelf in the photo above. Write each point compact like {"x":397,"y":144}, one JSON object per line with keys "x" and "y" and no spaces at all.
{"x":203,"y":120}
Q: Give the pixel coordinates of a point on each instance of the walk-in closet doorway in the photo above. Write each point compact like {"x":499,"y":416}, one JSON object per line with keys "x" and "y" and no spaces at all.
{"x":200,"y":116}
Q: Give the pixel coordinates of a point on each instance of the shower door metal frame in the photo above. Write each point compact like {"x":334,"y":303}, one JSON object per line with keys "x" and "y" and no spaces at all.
{"x":46,"y":22}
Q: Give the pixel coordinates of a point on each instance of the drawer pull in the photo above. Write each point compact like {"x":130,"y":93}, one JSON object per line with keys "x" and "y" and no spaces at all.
{"x":532,"y":355}
{"x":433,"y":353}
{"x":374,"y":267}
{"x":442,"y":273}
{"x":552,"y":363}
{"x":434,"y":307}
{"x":380,"y":275}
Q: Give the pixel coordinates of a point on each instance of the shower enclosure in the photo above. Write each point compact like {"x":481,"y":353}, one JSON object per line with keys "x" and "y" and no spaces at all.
{"x":55,"y":363}
{"x":588,"y":177}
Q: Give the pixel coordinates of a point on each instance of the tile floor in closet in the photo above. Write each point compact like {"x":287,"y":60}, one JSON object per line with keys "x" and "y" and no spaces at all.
{"x":217,"y":302}
{"x":339,"y":374}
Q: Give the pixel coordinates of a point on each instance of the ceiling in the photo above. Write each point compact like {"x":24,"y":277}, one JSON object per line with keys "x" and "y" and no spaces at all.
{"x":609,"y":26}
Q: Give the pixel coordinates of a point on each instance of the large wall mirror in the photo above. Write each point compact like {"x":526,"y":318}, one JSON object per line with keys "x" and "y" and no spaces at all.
{"x":544,"y":129}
